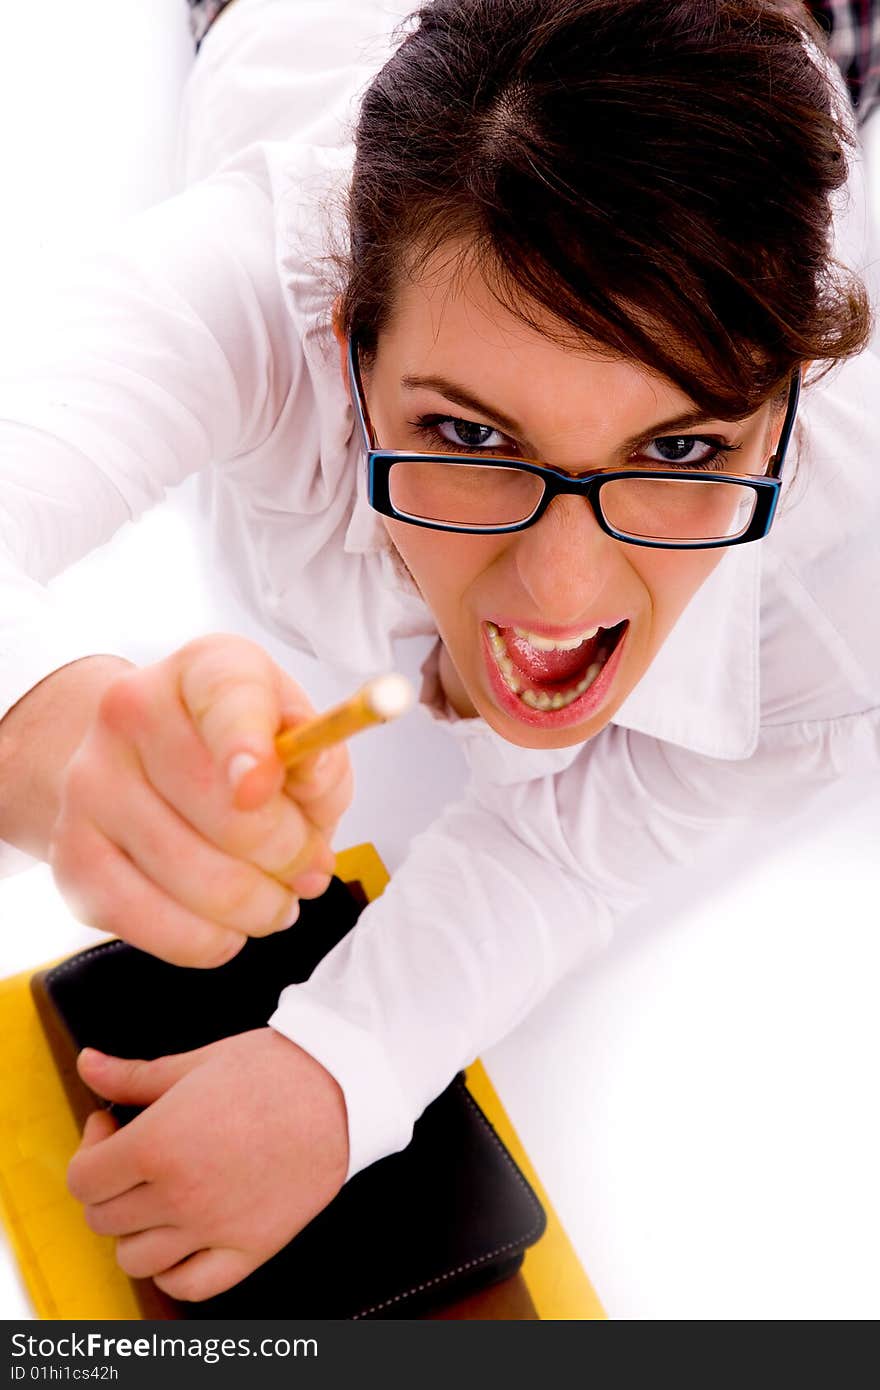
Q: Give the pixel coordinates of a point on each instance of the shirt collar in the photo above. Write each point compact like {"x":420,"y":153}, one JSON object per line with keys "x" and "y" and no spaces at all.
{"x":702,"y":690}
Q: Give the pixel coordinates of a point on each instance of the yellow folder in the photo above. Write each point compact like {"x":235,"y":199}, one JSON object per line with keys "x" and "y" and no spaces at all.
{"x":70,"y":1273}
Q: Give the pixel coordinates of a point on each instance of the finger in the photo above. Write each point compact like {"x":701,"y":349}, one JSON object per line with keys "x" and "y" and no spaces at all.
{"x":206,"y":1273}
{"x":106,"y":1169}
{"x":322,"y":786}
{"x":232,"y":692}
{"x":143,"y":718}
{"x":172,"y":758}
{"x":136,"y":1210}
{"x":314,"y":856}
{"x":149,"y":1252}
{"x":99,"y":1125}
{"x":132,"y":1080}
{"x":193,"y":872}
{"x":118,"y":898}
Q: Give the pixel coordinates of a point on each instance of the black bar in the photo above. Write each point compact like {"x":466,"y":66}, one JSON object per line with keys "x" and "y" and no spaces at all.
{"x":268,"y":1353}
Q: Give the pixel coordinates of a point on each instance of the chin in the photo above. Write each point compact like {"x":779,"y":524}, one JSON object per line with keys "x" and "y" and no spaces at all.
{"x":522,"y":736}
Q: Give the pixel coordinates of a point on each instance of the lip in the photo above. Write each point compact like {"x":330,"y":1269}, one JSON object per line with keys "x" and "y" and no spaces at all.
{"x":575,"y":713}
{"x":556,"y":634}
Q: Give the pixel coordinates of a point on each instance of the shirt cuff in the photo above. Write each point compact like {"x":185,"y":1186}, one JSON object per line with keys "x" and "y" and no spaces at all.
{"x":378,"y":1122}
{"x":40,"y":656}
{"x":38,"y":636}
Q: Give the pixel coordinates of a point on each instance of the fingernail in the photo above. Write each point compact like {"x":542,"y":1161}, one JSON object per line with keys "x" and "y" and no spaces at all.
{"x":91,"y":1054}
{"x":240,"y":766}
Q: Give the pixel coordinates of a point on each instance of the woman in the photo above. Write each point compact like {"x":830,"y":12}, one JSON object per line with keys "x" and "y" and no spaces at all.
{"x":602,"y":242}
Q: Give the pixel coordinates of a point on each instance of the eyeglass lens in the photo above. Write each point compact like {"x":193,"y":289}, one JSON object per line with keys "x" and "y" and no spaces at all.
{"x":669,"y":509}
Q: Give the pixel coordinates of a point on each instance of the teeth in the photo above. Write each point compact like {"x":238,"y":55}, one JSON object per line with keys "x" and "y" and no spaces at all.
{"x":538,"y":699}
{"x":542,"y":699}
{"x":508,"y":670}
{"x":546,"y":644}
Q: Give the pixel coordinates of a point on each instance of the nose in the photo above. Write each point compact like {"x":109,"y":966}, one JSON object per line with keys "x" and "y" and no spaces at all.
{"x":565,"y":561}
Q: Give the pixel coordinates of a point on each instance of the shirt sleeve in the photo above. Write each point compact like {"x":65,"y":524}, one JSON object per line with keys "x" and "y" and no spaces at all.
{"x":514,"y":887}
{"x":126,"y":372}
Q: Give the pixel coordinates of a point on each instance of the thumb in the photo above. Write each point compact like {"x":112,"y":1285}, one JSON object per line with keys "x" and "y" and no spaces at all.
{"x":131,"y":1081}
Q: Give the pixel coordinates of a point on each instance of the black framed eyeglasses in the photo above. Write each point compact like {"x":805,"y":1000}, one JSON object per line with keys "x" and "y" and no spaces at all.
{"x":688,"y":509}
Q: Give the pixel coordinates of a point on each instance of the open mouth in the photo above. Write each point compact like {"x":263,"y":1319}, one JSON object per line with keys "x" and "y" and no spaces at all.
{"x":546,"y":675}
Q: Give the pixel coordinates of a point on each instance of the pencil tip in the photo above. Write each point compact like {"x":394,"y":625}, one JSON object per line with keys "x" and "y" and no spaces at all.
{"x":389,"y":696}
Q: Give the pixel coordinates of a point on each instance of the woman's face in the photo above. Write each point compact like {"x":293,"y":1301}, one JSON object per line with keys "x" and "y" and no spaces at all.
{"x":564,"y":576}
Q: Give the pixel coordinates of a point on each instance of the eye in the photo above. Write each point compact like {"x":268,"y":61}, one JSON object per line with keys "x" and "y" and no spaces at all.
{"x":679,"y":448}
{"x":470,"y":434}
{"x":461,"y":434}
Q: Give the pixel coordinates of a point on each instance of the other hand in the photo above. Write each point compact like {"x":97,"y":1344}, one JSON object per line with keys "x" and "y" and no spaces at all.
{"x":242,"y":1143}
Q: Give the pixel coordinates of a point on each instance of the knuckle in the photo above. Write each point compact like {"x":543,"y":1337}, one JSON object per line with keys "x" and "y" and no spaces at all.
{"x":208,"y":664}
{"x":209,"y":644}
{"x":203,"y":647}
{"x":125,"y":703}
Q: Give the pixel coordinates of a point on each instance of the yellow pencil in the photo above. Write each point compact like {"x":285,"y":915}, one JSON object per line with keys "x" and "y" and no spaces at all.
{"x":380,"y":699}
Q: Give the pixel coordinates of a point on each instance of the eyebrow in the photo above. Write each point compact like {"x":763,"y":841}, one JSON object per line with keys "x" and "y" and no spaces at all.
{"x":459,"y":395}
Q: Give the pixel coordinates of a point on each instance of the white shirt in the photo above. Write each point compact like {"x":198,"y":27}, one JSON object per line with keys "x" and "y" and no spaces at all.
{"x":200,"y":343}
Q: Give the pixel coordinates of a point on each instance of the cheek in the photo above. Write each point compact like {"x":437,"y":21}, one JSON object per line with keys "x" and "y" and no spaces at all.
{"x":672,"y":578}
{"x":442,"y":564}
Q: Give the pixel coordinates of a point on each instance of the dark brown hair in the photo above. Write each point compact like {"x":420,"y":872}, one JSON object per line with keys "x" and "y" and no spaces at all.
{"x":656,"y":173}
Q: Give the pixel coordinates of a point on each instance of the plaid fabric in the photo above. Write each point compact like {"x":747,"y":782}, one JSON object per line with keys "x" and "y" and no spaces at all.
{"x":853,"y":27}
{"x":202,"y":14}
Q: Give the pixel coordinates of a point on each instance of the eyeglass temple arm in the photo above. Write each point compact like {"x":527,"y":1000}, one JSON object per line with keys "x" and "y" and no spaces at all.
{"x":794,"y":392}
{"x":357,"y":395}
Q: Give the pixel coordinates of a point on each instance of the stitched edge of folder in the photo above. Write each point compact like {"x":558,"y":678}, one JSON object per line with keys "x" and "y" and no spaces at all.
{"x":102,"y":948}
{"x":524,"y":1241}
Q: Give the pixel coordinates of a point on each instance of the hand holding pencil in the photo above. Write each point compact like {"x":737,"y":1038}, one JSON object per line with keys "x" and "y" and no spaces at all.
{"x":196,"y":810}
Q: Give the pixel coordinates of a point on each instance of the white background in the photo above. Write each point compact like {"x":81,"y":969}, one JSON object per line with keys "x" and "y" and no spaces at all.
{"x":702,"y":1106}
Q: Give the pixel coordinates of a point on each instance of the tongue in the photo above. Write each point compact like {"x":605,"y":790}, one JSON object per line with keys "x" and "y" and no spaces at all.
{"x":546,"y":667}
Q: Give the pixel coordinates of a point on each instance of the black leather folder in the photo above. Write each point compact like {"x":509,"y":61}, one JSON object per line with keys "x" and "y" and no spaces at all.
{"x":449,"y":1215}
